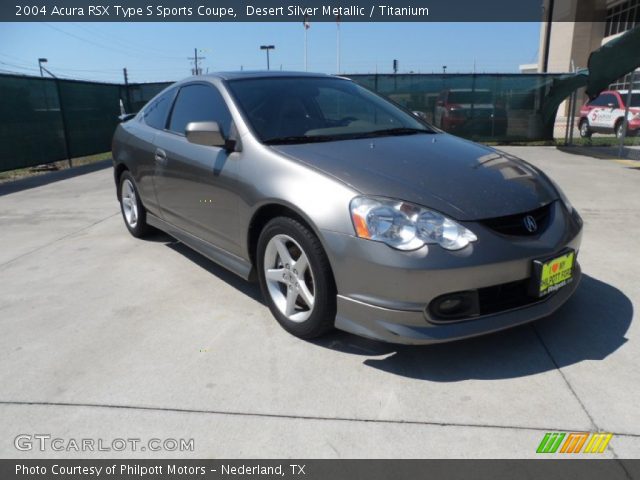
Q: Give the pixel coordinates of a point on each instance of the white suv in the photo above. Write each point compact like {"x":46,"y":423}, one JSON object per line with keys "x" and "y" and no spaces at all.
{"x":605,"y":114}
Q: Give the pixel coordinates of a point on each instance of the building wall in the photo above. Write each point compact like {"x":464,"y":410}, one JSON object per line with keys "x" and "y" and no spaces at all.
{"x":577,"y":28}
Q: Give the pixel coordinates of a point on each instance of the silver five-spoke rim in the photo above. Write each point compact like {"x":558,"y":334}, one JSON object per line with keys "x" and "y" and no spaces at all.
{"x":289,"y":278}
{"x":129,"y":203}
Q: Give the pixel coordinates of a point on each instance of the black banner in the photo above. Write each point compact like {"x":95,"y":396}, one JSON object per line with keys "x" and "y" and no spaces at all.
{"x":321,"y":469}
{"x":275,"y":11}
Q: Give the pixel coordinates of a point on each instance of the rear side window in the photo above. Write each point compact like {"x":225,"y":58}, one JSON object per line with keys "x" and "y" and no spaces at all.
{"x":155,"y":114}
{"x":604,"y":100}
{"x":199,"y":103}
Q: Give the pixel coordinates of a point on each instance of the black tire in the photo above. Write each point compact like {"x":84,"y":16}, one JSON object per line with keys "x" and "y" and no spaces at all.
{"x":322,"y":315}
{"x":585,"y":131}
{"x":139,"y":228}
{"x":619,"y":128}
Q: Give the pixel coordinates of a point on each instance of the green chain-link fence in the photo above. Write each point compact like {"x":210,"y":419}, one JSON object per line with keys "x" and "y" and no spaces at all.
{"x":44,"y":120}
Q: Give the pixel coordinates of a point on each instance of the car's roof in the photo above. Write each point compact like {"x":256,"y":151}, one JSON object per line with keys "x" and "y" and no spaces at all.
{"x":621,"y":92}
{"x":262,"y":74}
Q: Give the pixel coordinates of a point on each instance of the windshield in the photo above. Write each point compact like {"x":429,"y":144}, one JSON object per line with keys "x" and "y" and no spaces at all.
{"x":302,"y":110}
{"x":478,"y":96}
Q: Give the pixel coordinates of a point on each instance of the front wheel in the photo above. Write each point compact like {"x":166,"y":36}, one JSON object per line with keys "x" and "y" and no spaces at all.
{"x":619,"y":129}
{"x":295,"y":278}
{"x":585,"y":131}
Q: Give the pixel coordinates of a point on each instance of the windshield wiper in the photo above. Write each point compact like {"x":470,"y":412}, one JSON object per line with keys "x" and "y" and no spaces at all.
{"x":345,"y":136}
{"x":299,"y":139}
{"x":397,"y":131}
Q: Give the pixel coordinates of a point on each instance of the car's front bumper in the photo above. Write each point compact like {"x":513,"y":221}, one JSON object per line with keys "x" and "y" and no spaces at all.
{"x":412,"y":327}
{"x":384,"y":294}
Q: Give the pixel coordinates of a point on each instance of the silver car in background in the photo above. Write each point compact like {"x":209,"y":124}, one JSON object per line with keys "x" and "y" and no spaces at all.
{"x":348,"y":210}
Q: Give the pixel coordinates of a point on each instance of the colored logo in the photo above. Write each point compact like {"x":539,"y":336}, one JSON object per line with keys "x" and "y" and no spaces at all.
{"x":574,"y":442}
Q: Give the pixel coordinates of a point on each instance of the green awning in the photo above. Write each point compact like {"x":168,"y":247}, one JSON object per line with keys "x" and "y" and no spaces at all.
{"x":560,"y":89}
{"x":613,"y":60}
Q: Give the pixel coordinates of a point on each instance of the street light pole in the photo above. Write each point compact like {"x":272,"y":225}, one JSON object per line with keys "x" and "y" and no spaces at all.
{"x":267,"y":48}
{"x":40,"y":62}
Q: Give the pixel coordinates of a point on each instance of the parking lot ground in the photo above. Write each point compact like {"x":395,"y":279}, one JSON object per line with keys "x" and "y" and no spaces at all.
{"x":104,"y":336}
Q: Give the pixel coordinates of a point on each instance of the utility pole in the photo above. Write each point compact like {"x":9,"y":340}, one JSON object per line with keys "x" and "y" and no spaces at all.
{"x":267,"y":48}
{"x":196,"y":70}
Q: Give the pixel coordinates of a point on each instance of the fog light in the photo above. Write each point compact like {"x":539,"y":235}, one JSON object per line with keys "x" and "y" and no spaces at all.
{"x":455,"y":306}
{"x":451,"y":305}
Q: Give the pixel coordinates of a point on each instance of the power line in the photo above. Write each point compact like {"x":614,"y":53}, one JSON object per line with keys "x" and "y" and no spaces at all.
{"x":83,"y":39}
{"x":128,"y":45}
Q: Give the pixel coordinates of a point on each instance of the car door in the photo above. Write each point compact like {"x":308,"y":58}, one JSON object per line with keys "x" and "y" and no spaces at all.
{"x":603,"y":115}
{"x":195,"y":184}
{"x":152,"y":120}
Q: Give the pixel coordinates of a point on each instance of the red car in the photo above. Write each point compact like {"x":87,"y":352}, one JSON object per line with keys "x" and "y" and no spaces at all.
{"x":470,"y":111}
{"x":605,"y":114}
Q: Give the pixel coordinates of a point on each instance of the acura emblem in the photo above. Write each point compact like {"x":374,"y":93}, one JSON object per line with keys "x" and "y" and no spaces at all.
{"x":530,"y":223}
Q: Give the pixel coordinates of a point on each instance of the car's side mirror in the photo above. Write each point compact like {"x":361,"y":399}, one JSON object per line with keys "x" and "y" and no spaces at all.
{"x":611,"y":105}
{"x":205,"y":133}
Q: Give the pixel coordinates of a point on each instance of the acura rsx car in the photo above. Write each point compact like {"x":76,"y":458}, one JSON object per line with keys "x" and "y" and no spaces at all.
{"x":349,"y":211}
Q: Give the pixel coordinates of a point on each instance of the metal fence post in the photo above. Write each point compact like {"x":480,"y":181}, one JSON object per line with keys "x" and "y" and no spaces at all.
{"x":65,"y":126}
{"x":572,"y":117}
{"x":625,"y":121}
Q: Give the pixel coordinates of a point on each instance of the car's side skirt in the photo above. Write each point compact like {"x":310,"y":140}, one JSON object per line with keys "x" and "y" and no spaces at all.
{"x":223,"y":258}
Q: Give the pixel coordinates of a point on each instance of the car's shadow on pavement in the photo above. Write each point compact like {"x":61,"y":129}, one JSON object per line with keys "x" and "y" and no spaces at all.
{"x":250,"y":289}
{"x":591,"y":326}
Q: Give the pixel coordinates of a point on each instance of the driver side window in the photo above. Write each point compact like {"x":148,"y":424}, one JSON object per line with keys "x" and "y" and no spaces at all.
{"x":199,"y":103}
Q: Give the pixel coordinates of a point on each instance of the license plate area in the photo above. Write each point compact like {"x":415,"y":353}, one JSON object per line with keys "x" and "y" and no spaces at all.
{"x":553,"y":273}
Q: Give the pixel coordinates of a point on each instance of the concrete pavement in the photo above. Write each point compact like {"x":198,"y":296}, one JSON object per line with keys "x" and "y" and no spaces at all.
{"x":106,"y":336}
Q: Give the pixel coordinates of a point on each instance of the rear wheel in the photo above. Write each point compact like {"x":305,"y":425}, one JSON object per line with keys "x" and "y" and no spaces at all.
{"x":585,"y":131}
{"x":133,"y":212}
{"x":295,"y":278}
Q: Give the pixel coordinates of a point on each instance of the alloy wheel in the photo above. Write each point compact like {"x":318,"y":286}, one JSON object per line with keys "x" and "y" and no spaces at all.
{"x":584,"y":129}
{"x":129,"y":203}
{"x":289,"y":278}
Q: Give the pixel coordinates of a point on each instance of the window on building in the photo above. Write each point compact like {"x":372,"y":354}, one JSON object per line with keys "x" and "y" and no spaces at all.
{"x":622,"y":17}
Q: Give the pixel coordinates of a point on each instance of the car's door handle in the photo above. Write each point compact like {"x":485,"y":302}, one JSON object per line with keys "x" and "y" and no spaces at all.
{"x":160,"y":156}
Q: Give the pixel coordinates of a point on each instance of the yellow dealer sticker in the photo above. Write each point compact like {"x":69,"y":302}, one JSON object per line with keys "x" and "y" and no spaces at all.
{"x":556,"y":273}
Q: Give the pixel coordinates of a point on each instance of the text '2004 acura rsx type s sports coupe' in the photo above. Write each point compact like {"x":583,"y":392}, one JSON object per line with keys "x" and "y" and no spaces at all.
{"x":348,"y":210}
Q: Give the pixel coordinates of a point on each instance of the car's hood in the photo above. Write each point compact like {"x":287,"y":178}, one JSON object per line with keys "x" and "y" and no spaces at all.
{"x":462,"y":179}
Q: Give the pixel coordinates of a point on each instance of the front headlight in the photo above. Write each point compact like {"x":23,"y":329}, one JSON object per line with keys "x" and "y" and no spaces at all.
{"x":406,"y":226}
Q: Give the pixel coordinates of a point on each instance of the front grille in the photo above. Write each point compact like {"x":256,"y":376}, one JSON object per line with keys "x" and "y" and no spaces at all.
{"x":505,"y":297}
{"x":515,"y":224}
